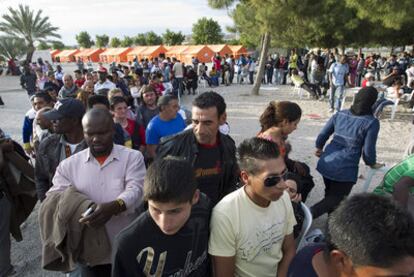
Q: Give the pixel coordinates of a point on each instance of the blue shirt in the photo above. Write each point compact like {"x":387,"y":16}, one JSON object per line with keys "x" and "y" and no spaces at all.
{"x":353,"y":136}
{"x":338,"y":71}
{"x":158,"y":128}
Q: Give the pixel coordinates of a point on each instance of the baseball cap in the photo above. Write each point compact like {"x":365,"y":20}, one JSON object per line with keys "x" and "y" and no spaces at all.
{"x":66,"y":108}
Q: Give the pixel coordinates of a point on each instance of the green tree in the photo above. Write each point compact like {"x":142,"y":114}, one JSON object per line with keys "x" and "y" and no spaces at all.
{"x":101,"y":41}
{"x":207,"y":31}
{"x":12,"y":47}
{"x":29,"y":25}
{"x":173,"y":38}
{"x":115,"y":42}
{"x":43,"y":46}
{"x":152,"y":38}
{"x":84,"y":39}
{"x":58,"y":45}
{"x":140,"y":39}
{"x":127,"y":41}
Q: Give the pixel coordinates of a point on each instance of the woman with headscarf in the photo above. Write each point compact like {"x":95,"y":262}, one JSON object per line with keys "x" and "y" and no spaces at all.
{"x":355,"y":133}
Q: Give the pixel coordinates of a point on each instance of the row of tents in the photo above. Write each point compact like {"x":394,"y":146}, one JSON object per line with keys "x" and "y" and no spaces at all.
{"x":184,"y":53}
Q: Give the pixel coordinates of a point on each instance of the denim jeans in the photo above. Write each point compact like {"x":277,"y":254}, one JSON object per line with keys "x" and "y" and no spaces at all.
{"x":5,"y":209}
{"x":336,"y":97}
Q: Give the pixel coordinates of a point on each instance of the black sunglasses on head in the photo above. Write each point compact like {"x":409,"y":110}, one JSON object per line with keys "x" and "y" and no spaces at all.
{"x":276,"y":179}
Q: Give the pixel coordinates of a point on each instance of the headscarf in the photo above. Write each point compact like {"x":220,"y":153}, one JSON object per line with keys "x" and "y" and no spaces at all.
{"x":364,"y":99}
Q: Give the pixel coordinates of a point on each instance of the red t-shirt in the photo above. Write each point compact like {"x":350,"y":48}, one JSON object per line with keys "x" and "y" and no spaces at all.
{"x":79,"y":82}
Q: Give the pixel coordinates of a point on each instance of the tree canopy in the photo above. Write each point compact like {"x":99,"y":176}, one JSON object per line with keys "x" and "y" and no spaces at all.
{"x":115,"y":42}
{"x":127,"y":41}
{"x":207,"y":31}
{"x":101,"y":41}
{"x":11,"y":47}
{"x":29,"y":25}
{"x":84,"y":40}
{"x":172,"y":38}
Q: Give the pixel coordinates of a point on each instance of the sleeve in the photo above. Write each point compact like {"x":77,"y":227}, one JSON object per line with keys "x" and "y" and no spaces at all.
{"x":369,"y":154}
{"x":27,"y":129}
{"x":330,"y":70}
{"x":151,"y":136}
{"x":290,"y":215}
{"x":41,"y":174}
{"x":123,"y":265}
{"x":326,"y":132}
{"x":61,"y":180}
{"x":134,"y":181}
{"x":222,"y":240}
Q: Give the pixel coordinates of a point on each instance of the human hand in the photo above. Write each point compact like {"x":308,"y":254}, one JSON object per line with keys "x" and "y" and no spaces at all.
{"x":101,"y":214}
{"x":297,"y":198}
{"x":318,"y":152}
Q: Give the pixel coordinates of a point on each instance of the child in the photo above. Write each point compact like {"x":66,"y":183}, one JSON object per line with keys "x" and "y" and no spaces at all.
{"x":171,"y":237}
{"x":293,"y":189}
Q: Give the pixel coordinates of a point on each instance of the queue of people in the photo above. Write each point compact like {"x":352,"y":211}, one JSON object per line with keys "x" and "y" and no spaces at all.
{"x":131,"y":188}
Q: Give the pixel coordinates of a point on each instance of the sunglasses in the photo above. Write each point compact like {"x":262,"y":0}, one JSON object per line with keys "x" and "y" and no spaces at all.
{"x":275,"y":179}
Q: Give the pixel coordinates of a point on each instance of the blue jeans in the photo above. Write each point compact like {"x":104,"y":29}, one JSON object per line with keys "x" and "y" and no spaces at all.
{"x":5,"y":209}
{"x":336,"y":95}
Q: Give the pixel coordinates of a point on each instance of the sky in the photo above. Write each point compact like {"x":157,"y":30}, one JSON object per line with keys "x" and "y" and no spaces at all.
{"x":121,"y":17}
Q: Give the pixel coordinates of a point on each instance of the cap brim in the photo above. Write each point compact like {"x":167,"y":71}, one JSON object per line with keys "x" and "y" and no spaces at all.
{"x":53,"y":115}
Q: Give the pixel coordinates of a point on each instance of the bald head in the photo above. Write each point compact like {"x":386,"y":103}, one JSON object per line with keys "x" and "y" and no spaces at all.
{"x":98,"y":128}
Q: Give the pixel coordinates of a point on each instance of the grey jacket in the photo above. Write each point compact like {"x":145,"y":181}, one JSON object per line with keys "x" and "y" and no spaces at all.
{"x":65,"y":92}
{"x":48,"y":158}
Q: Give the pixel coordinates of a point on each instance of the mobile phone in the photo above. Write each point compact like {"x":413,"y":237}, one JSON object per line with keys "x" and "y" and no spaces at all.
{"x":87,"y":212}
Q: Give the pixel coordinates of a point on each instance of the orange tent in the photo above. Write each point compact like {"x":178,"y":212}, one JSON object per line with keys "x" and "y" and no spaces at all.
{"x":68,"y":55}
{"x":53,"y":53}
{"x":176,"y":51}
{"x":238,"y":50}
{"x":92,"y":54}
{"x":118,"y":55}
{"x":202,"y":52}
{"x":135,"y":52}
{"x":222,"y":49}
{"x":152,"y":52}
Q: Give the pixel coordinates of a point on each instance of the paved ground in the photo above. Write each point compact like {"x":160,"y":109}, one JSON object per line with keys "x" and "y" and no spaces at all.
{"x":243,"y":112}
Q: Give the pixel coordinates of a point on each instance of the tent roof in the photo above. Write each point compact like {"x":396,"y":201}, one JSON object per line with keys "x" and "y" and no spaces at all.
{"x":68,"y":52}
{"x":218,"y":47}
{"x":193,"y":49}
{"x":137,"y":50}
{"x":236,"y":48}
{"x":116,"y":51}
{"x":151,"y":49}
{"x":88,"y":51}
{"x":54,"y":51}
{"x":176,"y":49}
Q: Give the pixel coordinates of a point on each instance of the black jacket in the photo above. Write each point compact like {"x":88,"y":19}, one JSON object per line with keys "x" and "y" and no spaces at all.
{"x":184,"y":144}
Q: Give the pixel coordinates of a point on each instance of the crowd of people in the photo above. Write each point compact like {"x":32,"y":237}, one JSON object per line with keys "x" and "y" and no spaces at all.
{"x":131,"y":184}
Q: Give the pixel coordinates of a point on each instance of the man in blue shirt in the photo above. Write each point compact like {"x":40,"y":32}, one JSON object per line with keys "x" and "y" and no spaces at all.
{"x":338,"y":74}
{"x":167,"y":122}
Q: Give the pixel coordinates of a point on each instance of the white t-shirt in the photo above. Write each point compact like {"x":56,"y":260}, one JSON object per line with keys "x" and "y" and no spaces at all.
{"x":178,"y":70}
{"x":105,"y":85}
{"x":253,"y":234}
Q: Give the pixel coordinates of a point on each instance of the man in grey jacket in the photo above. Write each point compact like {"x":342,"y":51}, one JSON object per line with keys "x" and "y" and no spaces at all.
{"x":69,"y":88}
{"x":67,"y":140}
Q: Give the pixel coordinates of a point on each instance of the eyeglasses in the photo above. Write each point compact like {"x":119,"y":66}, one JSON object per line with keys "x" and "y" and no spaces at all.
{"x":275,"y":179}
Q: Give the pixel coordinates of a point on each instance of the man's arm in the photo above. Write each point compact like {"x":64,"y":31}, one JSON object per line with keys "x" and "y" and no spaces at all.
{"x":223,"y":266}
{"x":151,"y":150}
{"x":41,"y":174}
{"x":402,"y":190}
{"x":289,"y":250}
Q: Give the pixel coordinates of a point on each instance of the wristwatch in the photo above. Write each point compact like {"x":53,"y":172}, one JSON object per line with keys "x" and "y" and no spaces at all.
{"x":121,"y":204}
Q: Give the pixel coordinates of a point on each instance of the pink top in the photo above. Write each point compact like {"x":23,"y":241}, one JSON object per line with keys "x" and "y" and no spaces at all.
{"x":120,"y":176}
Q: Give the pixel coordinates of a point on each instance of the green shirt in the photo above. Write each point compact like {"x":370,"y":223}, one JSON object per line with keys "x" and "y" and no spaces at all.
{"x":403,"y":169}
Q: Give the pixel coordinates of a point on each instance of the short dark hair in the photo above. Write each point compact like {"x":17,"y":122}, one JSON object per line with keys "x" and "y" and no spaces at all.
{"x":98,"y":99}
{"x":210,"y":99}
{"x":253,"y":149}
{"x":117,"y":100}
{"x":45,"y":96}
{"x":170,"y":179}
{"x":165,"y":100}
{"x":371,"y":230}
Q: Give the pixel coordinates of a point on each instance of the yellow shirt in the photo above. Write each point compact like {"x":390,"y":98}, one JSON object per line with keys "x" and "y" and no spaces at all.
{"x":253,"y":234}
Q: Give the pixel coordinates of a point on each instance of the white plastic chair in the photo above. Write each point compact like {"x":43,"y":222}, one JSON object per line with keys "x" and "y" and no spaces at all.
{"x":349,"y":92}
{"x":370,"y":175}
{"x":299,"y":90}
{"x":307,"y":223}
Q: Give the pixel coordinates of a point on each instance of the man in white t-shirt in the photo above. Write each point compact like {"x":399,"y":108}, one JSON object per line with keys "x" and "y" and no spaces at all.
{"x":178,"y":73}
{"x":252,"y":227}
{"x":103,"y":86}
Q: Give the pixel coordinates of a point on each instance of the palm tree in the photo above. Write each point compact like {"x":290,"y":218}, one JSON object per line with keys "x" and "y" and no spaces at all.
{"x":11,"y":47}
{"x":29,"y":25}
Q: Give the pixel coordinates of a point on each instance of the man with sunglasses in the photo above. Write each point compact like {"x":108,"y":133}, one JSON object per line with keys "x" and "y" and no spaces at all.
{"x":252,"y":227}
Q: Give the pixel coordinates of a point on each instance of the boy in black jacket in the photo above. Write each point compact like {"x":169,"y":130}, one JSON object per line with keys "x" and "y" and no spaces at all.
{"x":171,"y":237}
